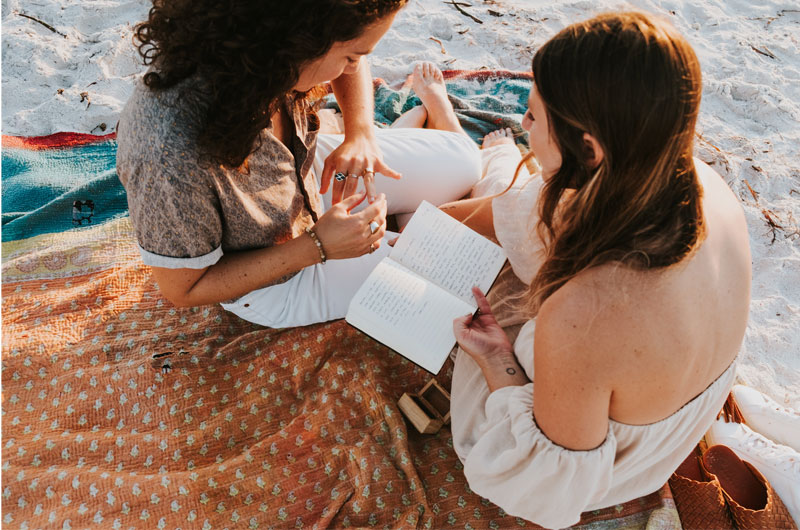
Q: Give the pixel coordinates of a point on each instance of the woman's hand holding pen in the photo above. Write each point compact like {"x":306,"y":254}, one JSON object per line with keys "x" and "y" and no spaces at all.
{"x":482,"y":338}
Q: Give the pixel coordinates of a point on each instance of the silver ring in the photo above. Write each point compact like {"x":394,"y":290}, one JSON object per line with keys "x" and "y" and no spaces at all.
{"x":340,"y":176}
{"x":353,"y":176}
{"x":373,"y":227}
{"x":372,"y":248}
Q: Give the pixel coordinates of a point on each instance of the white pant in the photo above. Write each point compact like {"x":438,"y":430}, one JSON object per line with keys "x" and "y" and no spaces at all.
{"x":437,"y":166}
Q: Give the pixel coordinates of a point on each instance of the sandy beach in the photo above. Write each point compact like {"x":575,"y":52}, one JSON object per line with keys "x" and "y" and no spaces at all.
{"x":70,"y":66}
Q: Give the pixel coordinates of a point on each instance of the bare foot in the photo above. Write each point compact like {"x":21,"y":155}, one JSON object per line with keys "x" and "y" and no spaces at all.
{"x":411,"y":119}
{"x":428,"y":83}
{"x":498,"y":137}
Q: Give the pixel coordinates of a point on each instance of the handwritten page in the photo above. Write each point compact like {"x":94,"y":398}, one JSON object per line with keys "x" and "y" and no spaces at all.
{"x":410,"y":315}
{"x":410,"y":299}
{"x":446,"y":252}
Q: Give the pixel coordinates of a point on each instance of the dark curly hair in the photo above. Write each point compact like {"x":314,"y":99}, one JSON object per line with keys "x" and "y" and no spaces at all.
{"x":248,"y":53}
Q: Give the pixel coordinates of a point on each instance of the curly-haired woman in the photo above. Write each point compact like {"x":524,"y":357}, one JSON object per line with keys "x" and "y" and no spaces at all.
{"x":639,"y":278}
{"x":222,"y":160}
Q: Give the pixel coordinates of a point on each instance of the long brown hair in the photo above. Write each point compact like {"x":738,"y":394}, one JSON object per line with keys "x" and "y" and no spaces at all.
{"x":248,"y":55}
{"x":633,"y":83}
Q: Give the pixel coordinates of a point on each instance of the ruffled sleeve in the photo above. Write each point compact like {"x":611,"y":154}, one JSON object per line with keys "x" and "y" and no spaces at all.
{"x":513,"y":464}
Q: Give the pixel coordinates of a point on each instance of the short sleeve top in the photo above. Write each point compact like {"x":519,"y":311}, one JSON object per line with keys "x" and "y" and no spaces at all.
{"x":186,"y":212}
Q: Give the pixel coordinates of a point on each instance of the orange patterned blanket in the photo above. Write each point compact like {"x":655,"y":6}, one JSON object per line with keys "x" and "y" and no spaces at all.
{"x":120,"y":411}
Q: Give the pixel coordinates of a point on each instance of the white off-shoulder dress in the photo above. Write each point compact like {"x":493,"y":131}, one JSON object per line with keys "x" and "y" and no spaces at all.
{"x":509,"y":461}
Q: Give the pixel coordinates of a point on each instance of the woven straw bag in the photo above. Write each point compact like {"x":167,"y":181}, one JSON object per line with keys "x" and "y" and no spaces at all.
{"x":751,"y":500}
{"x":699,"y":501}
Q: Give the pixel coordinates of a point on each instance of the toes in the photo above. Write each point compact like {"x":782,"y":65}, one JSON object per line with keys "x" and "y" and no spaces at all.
{"x":498,"y":136}
{"x":428,"y":72}
{"x":421,"y":71}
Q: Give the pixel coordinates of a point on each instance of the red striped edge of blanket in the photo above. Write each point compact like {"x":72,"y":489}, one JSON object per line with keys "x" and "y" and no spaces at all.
{"x":54,"y":141}
{"x":482,"y":75}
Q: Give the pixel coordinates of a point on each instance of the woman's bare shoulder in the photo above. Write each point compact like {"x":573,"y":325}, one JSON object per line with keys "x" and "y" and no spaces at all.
{"x":723,"y":212}
{"x":715,"y":190}
{"x":585,"y":315}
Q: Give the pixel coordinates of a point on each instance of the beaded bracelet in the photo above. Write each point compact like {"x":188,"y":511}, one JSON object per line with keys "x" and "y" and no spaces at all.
{"x":310,"y":232}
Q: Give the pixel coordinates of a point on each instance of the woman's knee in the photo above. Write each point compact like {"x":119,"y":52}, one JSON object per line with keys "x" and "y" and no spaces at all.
{"x":470,"y":161}
{"x":463,"y":168}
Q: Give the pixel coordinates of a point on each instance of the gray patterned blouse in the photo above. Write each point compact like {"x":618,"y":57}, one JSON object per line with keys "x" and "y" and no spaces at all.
{"x":187,"y":213}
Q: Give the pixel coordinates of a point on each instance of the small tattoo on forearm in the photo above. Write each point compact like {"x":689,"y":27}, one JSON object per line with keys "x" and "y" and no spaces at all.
{"x":511,"y":371}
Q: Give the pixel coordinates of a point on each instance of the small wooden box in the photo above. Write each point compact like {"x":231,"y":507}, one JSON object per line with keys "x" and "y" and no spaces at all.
{"x":428,"y":409}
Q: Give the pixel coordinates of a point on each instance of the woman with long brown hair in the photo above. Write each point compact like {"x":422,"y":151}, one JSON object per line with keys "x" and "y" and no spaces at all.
{"x":638,"y":261}
{"x":235,"y":195}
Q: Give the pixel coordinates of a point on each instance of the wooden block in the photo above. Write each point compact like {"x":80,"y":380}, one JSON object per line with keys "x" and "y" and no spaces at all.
{"x":438,"y":400}
{"x":412,"y":408}
{"x":429,"y":409}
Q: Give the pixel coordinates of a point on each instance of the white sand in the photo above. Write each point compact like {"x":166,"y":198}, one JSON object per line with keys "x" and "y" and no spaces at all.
{"x":750,"y":121}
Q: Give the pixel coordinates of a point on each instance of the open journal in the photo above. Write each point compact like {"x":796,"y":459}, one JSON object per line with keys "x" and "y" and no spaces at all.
{"x":410,"y":299}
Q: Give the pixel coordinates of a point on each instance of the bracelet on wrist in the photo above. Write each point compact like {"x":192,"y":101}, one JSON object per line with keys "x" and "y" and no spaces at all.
{"x":315,"y":239}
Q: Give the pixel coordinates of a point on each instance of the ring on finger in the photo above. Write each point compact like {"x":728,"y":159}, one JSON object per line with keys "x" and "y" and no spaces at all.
{"x":353,"y":176}
{"x":369,"y":170}
{"x":340,"y":176}
{"x":373,"y":227}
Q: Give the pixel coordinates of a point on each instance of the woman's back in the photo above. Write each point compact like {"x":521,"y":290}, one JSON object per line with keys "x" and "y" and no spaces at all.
{"x":659,"y":337}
